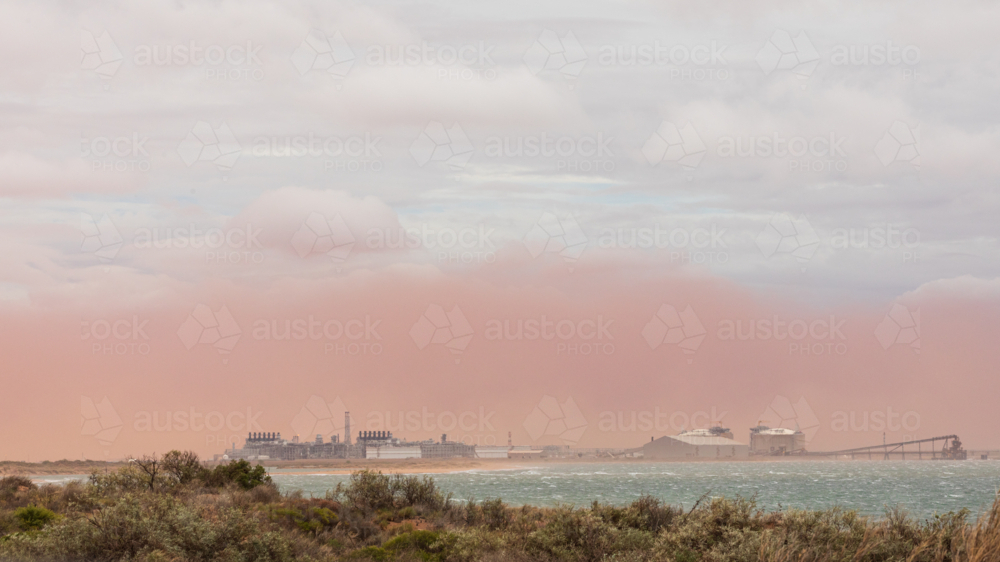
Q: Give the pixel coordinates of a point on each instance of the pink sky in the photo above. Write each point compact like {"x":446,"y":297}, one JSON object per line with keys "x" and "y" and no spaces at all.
{"x":944,"y":388}
{"x":161,"y":197}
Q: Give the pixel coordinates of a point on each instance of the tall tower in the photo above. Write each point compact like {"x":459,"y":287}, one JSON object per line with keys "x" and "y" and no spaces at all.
{"x":347,"y":428}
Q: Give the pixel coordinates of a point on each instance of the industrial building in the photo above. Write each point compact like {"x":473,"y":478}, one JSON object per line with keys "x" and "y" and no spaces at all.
{"x":492,"y":452}
{"x":706,"y":444}
{"x":392,"y":452}
{"x":715,"y":431}
{"x":778,"y":441}
{"x":369,"y":445}
{"x":384,"y":446}
{"x":261,"y":446}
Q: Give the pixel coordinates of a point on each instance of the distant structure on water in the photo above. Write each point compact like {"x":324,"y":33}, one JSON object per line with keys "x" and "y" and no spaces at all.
{"x":776,"y":441}
{"x":711,"y":443}
{"x":369,"y":445}
{"x":714,"y":443}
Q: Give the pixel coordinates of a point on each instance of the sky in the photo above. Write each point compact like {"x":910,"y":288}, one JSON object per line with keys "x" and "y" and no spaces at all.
{"x":562,"y":223}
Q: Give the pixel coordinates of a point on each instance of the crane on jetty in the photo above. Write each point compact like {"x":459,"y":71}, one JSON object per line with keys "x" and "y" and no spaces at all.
{"x":951,"y":449}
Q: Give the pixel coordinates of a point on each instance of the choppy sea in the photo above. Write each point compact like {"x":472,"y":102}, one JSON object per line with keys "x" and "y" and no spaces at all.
{"x":923,"y":488}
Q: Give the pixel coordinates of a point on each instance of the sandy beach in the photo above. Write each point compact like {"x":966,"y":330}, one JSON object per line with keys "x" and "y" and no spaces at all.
{"x":55,"y":467}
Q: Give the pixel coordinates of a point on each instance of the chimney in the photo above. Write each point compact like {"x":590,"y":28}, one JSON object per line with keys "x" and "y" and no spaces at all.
{"x":347,"y":428}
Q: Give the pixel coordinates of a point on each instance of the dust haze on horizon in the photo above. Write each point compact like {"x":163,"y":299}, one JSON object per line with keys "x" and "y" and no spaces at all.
{"x":577,"y":223}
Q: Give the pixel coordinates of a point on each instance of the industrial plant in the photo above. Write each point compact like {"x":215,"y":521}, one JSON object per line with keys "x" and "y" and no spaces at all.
{"x":696,"y":444}
{"x":718,"y":443}
{"x":776,"y":441}
{"x":712,"y":443}
{"x":368,"y":445}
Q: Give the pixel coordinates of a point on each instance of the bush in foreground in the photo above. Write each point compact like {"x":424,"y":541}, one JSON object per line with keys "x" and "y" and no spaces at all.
{"x":178,"y":509}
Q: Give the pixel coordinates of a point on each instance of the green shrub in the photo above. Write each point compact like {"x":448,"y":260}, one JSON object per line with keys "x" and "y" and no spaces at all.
{"x":10,"y":486}
{"x":32,"y":517}
{"x":128,"y":479}
{"x":571,"y":534}
{"x":413,"y":540}
{"x":183,"y":466}
{"x":117,"y":517}
{"x":371,"y":491}
{"x":311,"y":520}
{"x":140,"y":525}
{"x":240,"y":472}
{"x":376,"y":553}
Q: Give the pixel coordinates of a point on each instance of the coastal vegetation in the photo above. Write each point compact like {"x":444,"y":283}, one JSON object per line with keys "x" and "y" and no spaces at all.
{"x":176,"y":508}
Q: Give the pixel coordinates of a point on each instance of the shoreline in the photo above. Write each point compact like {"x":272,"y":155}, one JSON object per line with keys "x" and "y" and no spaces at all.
{"x":398,"y":466}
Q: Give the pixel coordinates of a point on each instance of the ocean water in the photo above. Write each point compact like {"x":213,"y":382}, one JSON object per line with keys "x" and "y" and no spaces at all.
{"x":923,"y":488}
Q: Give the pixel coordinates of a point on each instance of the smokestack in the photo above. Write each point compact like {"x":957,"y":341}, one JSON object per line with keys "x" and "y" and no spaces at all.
{"x":347,"y":428}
